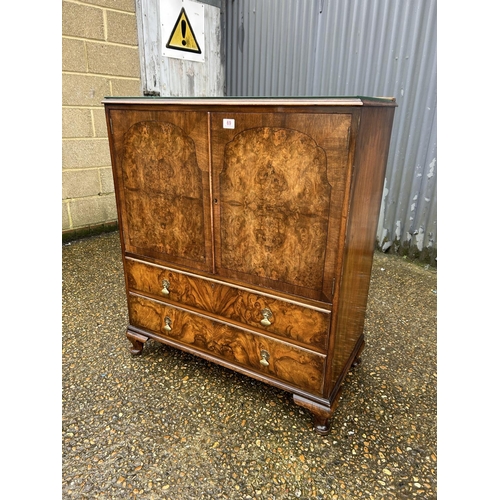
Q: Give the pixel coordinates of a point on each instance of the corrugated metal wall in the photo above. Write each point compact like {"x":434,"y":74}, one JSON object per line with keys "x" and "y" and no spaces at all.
{"x":354,"y":47}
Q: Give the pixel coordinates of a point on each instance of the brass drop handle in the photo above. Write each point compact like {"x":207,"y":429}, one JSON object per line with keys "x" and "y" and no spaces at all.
{"x":264,"y":357}
{"x":168,"y":324}
{"x":166,"y":285}
{"x":266,"y":313}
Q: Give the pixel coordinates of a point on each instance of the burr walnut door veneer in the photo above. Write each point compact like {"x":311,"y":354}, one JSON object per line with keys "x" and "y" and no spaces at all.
{"x":248,"y":228}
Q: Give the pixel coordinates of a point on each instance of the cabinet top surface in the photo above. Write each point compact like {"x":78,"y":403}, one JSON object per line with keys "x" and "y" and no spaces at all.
{"x":256,"y":101}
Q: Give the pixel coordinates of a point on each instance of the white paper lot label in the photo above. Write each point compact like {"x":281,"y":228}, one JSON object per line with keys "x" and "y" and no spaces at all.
{"x":227,"y":123}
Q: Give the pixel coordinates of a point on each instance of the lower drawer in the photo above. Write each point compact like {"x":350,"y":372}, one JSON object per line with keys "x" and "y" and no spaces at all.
{"x":291,"y":364}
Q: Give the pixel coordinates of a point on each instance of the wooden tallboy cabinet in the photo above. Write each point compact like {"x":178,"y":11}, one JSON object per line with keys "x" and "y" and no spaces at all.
{"x":248,"y":228}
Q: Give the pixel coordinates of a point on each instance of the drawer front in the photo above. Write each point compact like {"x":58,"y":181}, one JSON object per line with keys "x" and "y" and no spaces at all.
{"x":299,"y":367}
{"x":280,"y":317}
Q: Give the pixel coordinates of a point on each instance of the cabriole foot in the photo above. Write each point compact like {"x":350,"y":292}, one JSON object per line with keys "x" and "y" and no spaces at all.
{"x":321,"y":414}
{"x":137,"y":341}
{"x":357,"y":359}
{"x":321,"y":425}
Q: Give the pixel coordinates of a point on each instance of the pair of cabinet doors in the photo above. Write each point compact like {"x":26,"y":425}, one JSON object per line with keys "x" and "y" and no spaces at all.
{"x":252,"y":196}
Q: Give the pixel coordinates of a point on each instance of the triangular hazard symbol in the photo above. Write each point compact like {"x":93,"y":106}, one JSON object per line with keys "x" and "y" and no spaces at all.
{"x":182,"y":36}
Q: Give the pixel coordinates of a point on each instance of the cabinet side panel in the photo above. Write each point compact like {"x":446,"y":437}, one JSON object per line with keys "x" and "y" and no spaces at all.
{"x":366,"y":191}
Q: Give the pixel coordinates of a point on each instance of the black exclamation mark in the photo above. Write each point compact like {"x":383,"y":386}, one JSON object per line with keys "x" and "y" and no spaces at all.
{"x":183,"y":29}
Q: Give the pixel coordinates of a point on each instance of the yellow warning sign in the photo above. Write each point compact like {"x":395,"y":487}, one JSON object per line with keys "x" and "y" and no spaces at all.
{"x":182,"y":36}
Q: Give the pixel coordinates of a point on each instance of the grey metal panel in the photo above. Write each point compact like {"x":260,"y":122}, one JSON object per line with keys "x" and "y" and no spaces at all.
{"x":353,"y":47}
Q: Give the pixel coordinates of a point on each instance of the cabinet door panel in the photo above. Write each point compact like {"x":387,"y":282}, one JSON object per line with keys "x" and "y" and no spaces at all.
{"x":162,"y":165}
{"x":280,"y":180}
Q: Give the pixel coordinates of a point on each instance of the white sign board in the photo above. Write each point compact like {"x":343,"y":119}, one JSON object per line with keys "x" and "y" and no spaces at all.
{"x":183,"y":29}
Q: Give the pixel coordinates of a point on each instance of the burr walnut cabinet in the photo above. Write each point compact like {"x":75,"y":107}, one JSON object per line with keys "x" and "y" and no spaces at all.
{"x":248,"y":227}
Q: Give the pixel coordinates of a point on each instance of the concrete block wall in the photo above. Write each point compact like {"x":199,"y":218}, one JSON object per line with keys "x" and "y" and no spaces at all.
{"x":99,"y":58}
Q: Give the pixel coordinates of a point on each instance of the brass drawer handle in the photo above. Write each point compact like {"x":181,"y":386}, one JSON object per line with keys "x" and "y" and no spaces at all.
{"x":267,"y":314}
{"x":264,"y":357}
{"x":166,"y":286}
{"x":168,"y":324}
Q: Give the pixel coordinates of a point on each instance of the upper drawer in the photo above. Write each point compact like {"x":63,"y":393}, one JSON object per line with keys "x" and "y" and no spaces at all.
{"x":293,"y":321}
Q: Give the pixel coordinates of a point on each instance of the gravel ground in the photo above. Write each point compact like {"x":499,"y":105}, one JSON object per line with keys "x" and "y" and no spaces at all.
{"x":167,"y":425}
